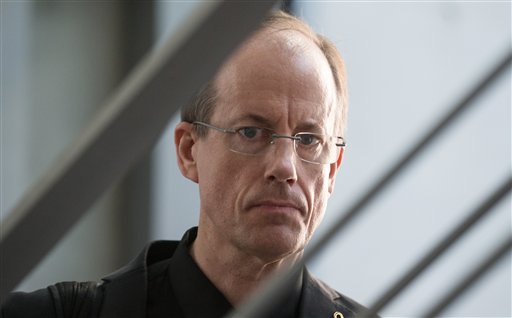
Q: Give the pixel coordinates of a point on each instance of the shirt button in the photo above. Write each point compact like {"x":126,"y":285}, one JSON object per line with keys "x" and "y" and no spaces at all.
{"x":337,"y":314}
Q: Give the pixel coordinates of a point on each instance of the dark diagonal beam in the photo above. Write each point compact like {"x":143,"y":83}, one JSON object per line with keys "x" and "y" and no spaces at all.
{"x":274,"y":289}
{"x":471,"y":278}
{"x":127,"y":127}
{"x":471,"y":220}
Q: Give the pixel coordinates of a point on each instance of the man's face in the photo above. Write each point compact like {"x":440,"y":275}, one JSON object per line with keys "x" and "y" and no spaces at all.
{"x":268,"y":205}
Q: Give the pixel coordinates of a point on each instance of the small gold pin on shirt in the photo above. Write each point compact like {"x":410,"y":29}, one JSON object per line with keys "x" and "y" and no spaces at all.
{"x":337,"y":314}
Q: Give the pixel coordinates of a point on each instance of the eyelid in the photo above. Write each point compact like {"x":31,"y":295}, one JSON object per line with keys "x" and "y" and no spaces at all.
{"x":262,"y":132}
{"x":309,"y":133}
{"x":273,"y":131}
{"x":239,"y":127}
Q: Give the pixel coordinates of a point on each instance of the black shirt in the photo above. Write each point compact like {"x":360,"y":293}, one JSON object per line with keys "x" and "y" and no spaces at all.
{"x":164,"y":281}
{"x":178,"y":288}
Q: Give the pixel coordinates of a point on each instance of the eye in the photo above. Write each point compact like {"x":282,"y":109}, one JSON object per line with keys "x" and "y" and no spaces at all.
{"x":250,"y":132}
{"x":309,"y":139}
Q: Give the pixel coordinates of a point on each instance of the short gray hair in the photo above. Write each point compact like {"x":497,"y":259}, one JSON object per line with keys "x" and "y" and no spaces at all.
{"x":202,"y":105}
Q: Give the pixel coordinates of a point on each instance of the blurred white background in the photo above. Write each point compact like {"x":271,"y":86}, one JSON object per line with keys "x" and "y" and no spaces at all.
{"x":407,"y":63}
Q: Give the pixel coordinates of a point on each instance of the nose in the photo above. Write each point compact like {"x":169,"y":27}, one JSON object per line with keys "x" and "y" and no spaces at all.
{"x":282,"y":161}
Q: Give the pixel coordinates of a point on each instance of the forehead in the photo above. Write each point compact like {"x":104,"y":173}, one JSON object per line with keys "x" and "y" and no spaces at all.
{"x":282,"y":75}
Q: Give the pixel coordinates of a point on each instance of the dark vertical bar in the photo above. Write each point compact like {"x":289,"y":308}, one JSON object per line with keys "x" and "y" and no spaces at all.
{"x":138,"y":27}
{"x":287,"y":6}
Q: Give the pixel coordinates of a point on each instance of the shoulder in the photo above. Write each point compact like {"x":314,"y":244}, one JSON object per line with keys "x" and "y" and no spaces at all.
{"x":125,"y":290}
{"x":38,"y":303}
{"x":153,"y":253}
{"x":65,"y":299}
{"x":120,"y":291}
{"x":347,"y":303}
{"x":321,"y":298}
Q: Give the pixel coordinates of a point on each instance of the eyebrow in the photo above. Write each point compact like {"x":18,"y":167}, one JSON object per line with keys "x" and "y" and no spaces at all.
{"x":257,"y":119}
{"x":267,"y":123}
{"x":311,"y":127}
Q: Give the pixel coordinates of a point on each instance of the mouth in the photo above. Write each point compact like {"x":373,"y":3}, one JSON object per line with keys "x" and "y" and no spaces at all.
{"x":273,"y":206}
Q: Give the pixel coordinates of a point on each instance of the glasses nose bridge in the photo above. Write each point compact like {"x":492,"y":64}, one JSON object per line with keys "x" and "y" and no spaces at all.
{"x":294,"y":140}
{"x":277,"y":136}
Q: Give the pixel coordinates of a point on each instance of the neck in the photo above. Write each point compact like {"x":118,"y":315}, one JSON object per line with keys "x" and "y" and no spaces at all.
{"x":235,"y":273}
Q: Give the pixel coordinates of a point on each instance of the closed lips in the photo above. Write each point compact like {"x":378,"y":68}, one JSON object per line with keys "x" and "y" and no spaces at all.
{"x":278,"y":205}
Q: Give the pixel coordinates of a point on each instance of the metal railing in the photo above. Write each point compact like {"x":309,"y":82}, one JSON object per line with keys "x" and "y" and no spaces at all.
{"x":129,"y":124}
{"x":134,"y":117}
{"x":274,"y":289}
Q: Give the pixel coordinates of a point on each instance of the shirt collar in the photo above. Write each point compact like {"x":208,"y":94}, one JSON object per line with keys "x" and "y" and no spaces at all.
{"x":197,"y":295}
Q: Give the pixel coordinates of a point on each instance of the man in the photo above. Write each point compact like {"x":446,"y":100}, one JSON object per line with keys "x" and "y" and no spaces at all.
{"x":264,"y":142}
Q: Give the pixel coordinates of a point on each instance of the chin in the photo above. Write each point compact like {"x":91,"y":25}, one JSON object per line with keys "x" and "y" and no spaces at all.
{"x":277,"y":242}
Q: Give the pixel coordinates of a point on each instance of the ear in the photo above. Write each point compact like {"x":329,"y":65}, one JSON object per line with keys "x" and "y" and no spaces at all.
{"x":184,"y":141}
{"x":333,"y":168}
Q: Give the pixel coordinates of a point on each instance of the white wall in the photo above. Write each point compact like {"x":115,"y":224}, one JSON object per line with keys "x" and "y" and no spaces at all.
{"x":407,"y":63}
{"x":58,"y":63}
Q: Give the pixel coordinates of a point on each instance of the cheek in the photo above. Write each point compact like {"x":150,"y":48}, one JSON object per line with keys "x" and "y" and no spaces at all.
{"x":319,"y":196}
{"x":219,"y":175}
{"x":210,"y":170}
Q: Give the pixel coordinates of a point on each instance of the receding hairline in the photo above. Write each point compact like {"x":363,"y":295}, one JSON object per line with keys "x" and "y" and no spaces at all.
{"x":275,"y":23}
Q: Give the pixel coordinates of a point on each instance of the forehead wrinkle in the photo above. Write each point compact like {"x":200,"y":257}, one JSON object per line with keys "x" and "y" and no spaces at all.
{"x":236,"y":80}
